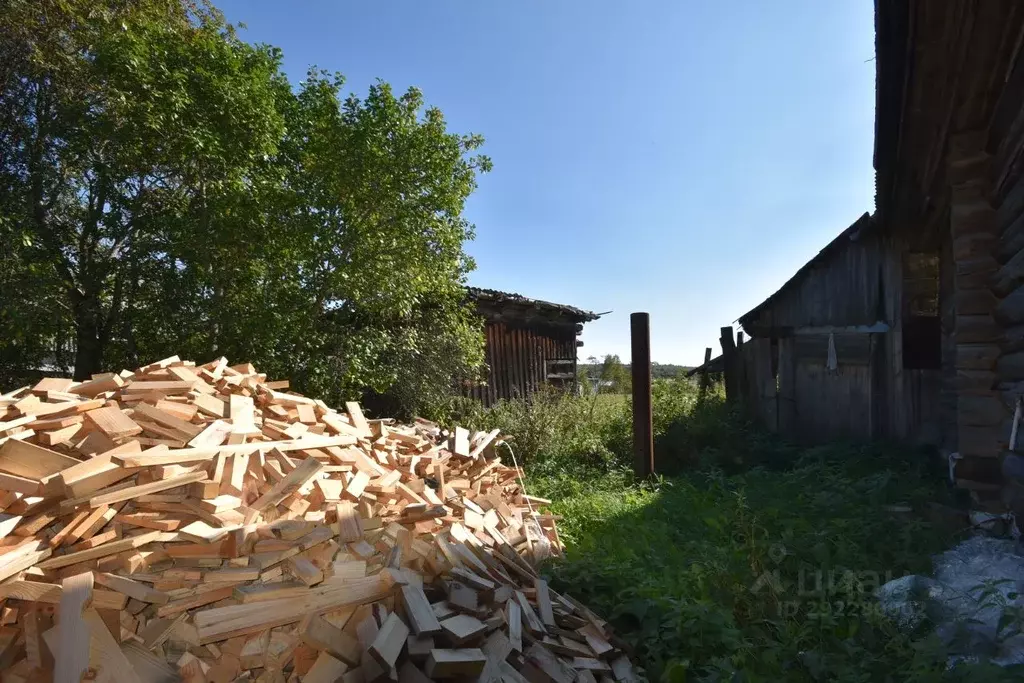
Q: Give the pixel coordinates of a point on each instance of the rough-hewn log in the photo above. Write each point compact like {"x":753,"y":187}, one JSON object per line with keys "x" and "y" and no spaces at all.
{"x":976,"y":356}
{"x":985,"y":442}
{"x":974,"y":273}
{"x":973,"y":244}
{"x":1011,"y":366}
{"x":974,"y":301}
{"x":1013,"y":339}
{"x":1010,"y":310}
{"x":975,"y":217}
{"x":976,"y":410}
{"x":975,"y":381}
{"x":1010,"y":276}
{"x":976,"y":329}
{"x":980,"y":412}
{"x":1011,"y":242}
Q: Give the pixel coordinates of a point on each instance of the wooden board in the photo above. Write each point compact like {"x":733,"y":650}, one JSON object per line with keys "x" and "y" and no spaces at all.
{"x":547,"y":615}
{"x":104,"y":497}
{"x":102,"y":551}
{"x":326,"y":669}
{"x":455,"y":663}
{"x":108,"y":658}
{"x":133,"y":589}
{"x":355,"y":414}
{"x":51,"y":593}
{"x":31,"y":461}
{"x":72,"y":655}
{"x":320,"y":634}
{"x":389,"y":641}
{"x":188,"y":455}
{"x":291,"y":483}
{"x":417,"y":608}
{"x":113,"y":422}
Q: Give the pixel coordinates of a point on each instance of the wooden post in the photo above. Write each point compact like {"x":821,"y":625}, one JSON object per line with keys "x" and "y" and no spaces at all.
{"x":643,"y":416}
{"x":704,"y":379}
{"x":729,"y":365}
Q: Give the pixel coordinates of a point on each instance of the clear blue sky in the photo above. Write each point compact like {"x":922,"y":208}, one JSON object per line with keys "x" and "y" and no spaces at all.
{"x":677,"y":157}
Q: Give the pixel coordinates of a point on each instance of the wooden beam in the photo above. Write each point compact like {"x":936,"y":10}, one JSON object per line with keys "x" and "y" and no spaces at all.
{"x":72,"y":655}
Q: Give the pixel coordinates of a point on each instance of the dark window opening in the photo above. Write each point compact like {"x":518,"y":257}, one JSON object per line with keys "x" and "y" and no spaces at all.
{"x":922,"y":331}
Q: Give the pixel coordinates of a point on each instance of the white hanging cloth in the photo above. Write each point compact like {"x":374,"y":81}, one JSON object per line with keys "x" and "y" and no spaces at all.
{"x":832,"y":363}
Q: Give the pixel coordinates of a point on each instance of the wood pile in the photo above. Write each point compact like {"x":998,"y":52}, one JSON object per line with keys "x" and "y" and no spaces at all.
{"x":200,"y":523}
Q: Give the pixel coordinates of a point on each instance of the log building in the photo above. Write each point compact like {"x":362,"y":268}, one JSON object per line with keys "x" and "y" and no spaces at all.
{"x":529,"y":344}
{"x":910,"y":324}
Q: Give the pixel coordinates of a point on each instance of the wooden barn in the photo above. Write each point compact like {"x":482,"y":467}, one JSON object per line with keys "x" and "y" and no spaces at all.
{"x":849,"y":346}
{"x":529,"y":344}
{"x":910,"y":324}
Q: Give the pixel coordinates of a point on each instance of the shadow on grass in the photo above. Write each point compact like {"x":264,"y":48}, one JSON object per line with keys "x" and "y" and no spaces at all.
{"x":765,"y":574}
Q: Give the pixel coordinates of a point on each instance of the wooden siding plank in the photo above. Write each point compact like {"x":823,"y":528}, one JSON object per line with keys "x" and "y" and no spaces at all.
{"x":841,"y":290}
{"x":524,"y":360}
{"x":506,"y":347}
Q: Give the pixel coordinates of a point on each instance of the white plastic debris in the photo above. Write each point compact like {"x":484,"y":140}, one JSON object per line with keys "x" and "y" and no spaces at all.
{"x":975,"y":600}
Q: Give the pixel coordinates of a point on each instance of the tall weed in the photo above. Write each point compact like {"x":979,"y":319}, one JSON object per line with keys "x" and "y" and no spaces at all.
{"x":726,"y":570}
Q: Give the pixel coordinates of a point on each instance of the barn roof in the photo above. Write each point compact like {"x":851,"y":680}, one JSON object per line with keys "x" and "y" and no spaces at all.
{"x":851,"y":234}
{"x":517,"y":304}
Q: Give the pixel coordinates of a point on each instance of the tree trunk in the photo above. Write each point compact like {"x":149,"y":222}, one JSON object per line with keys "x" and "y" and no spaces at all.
{"x":89,"y":341}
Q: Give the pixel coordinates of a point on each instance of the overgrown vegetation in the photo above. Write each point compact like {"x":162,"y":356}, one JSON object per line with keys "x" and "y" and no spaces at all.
{"x":165,"y":189}
{"x":756,"y":561}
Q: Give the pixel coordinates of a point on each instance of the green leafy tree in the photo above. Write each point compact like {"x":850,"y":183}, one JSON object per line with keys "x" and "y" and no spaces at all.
{"x":120,"y":119}
{"x":614,"y":371}
{"x":166,"y":190}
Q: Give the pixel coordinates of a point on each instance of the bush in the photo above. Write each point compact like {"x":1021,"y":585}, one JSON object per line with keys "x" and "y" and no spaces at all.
{"x":713,"y":574}
{"x":553,"y":431}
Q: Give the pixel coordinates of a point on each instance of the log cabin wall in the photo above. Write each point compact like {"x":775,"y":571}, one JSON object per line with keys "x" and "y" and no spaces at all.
{"x":948,"y":144}
{"x":529,"y":344}
{"x":517,"y":359}
{"x":1006,"y":142}
{"x":989,"y":177}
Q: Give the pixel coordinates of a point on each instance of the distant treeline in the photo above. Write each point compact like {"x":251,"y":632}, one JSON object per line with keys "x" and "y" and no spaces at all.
{"x":612,"y":370}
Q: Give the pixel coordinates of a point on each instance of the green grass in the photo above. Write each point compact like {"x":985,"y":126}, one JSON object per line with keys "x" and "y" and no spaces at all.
{"x":712,"y":574}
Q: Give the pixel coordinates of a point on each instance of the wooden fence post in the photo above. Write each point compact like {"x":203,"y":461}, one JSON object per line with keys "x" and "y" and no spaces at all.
{"x":729,"y":365}
{"x":705,"y":379}
{"x":643,"y":415}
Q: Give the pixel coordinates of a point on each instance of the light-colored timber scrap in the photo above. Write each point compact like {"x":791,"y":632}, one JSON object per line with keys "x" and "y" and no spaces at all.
{"x":196,"y":520}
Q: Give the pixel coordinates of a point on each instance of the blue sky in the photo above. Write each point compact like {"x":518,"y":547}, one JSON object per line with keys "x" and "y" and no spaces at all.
{"x":678,"y":157}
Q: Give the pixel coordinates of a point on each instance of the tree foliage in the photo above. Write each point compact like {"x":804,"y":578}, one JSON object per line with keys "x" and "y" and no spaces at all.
{"x":165,"y":189}
{"x":607,"y":375}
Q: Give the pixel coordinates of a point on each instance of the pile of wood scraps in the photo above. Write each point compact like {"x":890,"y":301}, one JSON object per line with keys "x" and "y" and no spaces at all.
{"x":199,"y":523}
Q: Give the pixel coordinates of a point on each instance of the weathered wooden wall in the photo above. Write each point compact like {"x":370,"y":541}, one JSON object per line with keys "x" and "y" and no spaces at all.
{"x":857,"y":281}
{"x":840,"y":287}
{"x":757,"y":384}
{"x":949,"y":135}
{"x":1006,"y":143}
{"x":908,"y":400}
{"x":804,"y":400}
{"x":516,"y":357}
